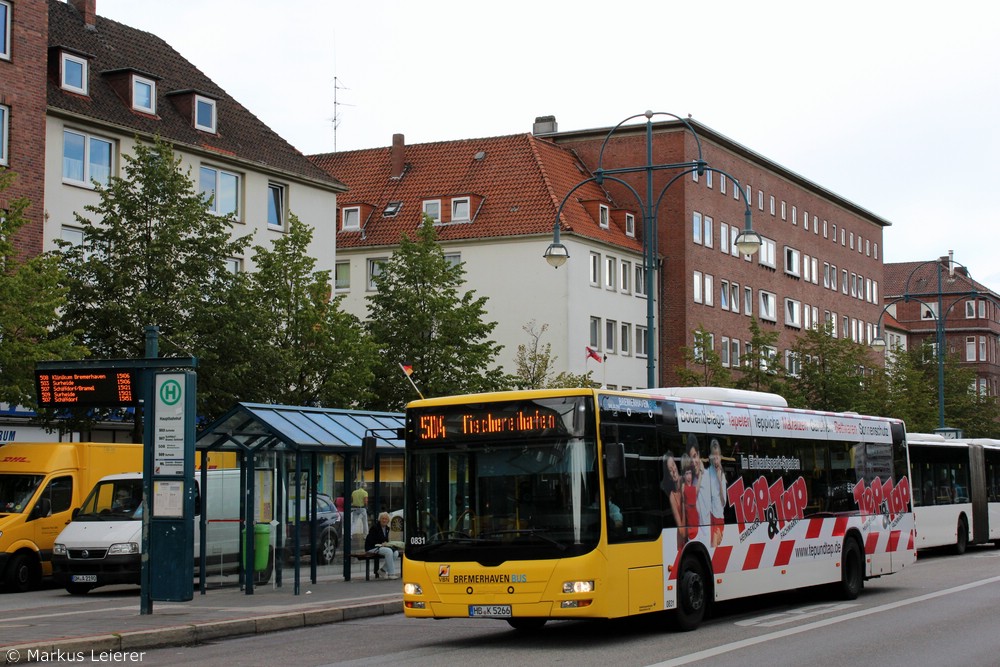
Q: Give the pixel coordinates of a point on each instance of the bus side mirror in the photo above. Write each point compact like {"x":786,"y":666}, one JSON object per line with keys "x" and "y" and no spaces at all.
{"x":614,"y":460}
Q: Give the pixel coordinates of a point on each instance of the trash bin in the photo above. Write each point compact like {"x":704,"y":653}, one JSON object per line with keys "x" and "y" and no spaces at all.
{"x":261,"y":545}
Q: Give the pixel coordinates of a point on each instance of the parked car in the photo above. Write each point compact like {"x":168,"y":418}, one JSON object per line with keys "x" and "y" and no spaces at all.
{"x":329,"y":525}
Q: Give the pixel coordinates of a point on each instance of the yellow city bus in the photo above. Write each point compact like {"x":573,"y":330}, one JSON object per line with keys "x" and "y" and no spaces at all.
{"x":582,"y":503}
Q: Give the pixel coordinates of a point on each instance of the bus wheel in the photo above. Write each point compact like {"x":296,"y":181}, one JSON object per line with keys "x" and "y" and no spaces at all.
{"x":526,"y":624}
{"x":851,"y":571}
{"x":962,"y":539}
{"x":691,"y":595}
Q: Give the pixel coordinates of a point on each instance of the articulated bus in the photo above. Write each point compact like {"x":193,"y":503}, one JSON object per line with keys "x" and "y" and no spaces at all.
{"x":956,"y":490}
{"x":584,"y":503}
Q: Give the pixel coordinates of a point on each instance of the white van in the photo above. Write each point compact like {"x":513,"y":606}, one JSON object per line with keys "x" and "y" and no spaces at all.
{"x":102,"y":545}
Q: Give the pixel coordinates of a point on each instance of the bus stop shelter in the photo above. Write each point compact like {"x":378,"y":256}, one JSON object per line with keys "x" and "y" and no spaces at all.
{"x":288,"y":441}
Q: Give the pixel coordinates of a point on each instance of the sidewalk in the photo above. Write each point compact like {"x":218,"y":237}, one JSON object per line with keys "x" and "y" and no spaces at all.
{"x":38,"y":625}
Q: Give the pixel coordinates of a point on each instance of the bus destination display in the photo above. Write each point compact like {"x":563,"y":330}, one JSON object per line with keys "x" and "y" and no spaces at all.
{"x":475,"y":424}
{"x":108,"y":387}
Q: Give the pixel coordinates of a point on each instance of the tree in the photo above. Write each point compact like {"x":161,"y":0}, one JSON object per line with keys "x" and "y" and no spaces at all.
{"x":759,"y":370}
{"x":702,"y":365}
{"x":418,"y":317}
{"x":155,"y":254}
{"x":31,"y":295}
{"x":313,"y":352}
{"x":534,"y":365}
{"x":831,"y":371}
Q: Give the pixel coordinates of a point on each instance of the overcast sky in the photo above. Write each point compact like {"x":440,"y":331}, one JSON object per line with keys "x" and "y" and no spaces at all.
{"x":891,"y":105}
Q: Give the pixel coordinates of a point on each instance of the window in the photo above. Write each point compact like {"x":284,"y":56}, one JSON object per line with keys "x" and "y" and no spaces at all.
{"x":432,"y":207}
{"x":629,"y":224}
{"x":734,"y":353}
{"x":708,"y":179}
{"x":342,"y":275}
{"x":724,"y":294}
{"x":595,"y":333}
{"x":854,"y":284}
{"x":641,"y":349}
{"x":928,"y":311}
{"x":805,"y":220}
{"x":724,"y":237}
{"x":970,"y":309}
{"x":610,"y":272}
{"x":460,"y":209}
{"x":724,"y":351}
{"x":610,"y":333}
{"x":640,"y":280}
{"x":604,"y":216}
{"x":748,"y":301}
{"x":626,"y":339}
{"x":375,"y":267}
{"x":792,"y":261}
{"x":826,"y":275}
{"x":825,"y":230}
{"x":4,"y":121}
{"x":223,"y":188}
{"x":982,"y":303}
{"x":276,"y":205}
{"x":696,"y":227}
{"x":760,"y":200}
{"x":768,"y":306}
{"x":766,"y":252}
{"x":73,"y":73}
{"x":4,"y":29}
{"x":698,"y":281}
{"x":982,"y":348}
{"x":783,"y":212}
{"x":722,"y":185}
{"x":868,"y":248}
{"x":708,"y":231}
{"x":143,"y":94}
{"x":204,"y":114}
{"x":792,"y":363}
{"x":875,"y":250}
{"x":392,"y":209}
{"x":844,"y":282}
{"x":772,"y":204}
{"x":709,"y":290}
{"x":970,"y":348}
{"x":734,"y":233}
{"x":86,"y":158}
{"x":626,"y":276}
{"x":595,"y":269}
{"x":816,"y":225}
{"x":351,"y":218}
{"x":793,"y":313}
{"x":234,"y":265}
{"x":453,"y":259}
{"x":734,"y":298}
{"x":795,"y":215}
{"x":814,"y":264}
{"x":833,"y":277}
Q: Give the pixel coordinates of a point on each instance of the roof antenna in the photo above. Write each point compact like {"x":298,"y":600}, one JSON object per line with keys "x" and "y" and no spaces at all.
{"x":336,"y":109}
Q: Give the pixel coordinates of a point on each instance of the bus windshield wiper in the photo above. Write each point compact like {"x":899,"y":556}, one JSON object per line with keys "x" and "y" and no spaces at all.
{"x":527,"y":532}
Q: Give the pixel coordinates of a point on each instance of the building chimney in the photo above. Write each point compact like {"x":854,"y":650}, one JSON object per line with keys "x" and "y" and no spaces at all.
{"x":545,"y":125}
{"x":88,"y":10}
{"x":397,"y":156}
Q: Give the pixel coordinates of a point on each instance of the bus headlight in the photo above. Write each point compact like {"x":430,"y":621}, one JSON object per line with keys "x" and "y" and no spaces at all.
{"x":123,"y":548}
{"x":58,"y":549}
{"x":412,"y":589}
{"x":578,"y":587}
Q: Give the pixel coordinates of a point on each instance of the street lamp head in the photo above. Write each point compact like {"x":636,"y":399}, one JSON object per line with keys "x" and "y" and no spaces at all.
{"x":748,"y":242}
{"x":556,"y":254}
{"x":878,"y":343}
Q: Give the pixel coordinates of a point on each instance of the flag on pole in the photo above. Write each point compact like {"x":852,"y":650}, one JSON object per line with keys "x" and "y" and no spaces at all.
{"x":408,"y":372}
{"x":593,"y":354}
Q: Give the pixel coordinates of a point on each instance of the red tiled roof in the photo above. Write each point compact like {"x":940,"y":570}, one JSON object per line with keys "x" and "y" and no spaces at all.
{"x":113,"y":46}
{"x":521,"y":179}
{"x":922,"y":278}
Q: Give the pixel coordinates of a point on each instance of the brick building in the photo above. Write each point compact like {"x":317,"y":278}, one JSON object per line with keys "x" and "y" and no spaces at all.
{"x":820,"y":260}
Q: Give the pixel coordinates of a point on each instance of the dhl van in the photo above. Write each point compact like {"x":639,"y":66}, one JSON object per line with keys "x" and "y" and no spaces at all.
{"x":40,"y":486}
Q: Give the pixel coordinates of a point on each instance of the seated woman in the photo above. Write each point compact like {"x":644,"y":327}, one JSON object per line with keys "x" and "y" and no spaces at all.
{"x":377,"y":542}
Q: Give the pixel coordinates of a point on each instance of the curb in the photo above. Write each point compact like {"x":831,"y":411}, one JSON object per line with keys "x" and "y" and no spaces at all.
{"x":185,"y":635}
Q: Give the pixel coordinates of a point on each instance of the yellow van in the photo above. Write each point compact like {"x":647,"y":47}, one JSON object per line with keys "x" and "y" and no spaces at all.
{"x":40,"y":486}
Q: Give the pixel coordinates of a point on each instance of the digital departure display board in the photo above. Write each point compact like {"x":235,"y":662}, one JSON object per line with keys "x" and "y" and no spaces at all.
{"x":90,"y":387}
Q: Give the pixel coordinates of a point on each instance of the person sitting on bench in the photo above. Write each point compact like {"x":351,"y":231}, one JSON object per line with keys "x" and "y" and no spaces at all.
{"x":377,"y":541}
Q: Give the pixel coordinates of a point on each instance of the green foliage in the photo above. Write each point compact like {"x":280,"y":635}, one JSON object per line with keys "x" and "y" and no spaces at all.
{"x":312,"y":352}
{"x":534,"y":365}
{"x":831,"y":371}
{"x":31,"y":295}
{"x":702,"y":365}
{"x":154,"y":254}
{"x":760,"y":370}
{"x":418,"y":317}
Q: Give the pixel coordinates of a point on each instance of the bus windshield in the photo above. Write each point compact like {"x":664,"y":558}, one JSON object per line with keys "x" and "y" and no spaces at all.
{"x":512,"y":481}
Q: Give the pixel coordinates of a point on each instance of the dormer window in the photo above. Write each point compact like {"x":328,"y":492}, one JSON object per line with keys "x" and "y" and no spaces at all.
{"x":432,"y":207}
{"x":460,"y":209}
{"x":204,"y":114}
{"x":630,"y":223}
{"x":351,"y":219}
{"x":143,"y":94}
{"x":73,"y":73}
{"x":605,"y":216}
{"x":391,"y":209}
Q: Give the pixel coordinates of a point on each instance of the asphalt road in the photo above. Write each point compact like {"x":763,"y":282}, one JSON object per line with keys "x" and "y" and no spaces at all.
{"x":939,"y":611}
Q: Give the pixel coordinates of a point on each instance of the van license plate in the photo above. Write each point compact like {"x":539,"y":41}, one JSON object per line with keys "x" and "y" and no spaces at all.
{"x":489,"y":610}
{"x":84,"y":578}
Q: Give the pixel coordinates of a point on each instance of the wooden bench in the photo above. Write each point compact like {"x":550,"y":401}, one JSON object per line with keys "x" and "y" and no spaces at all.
{"x":368,"y":557}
